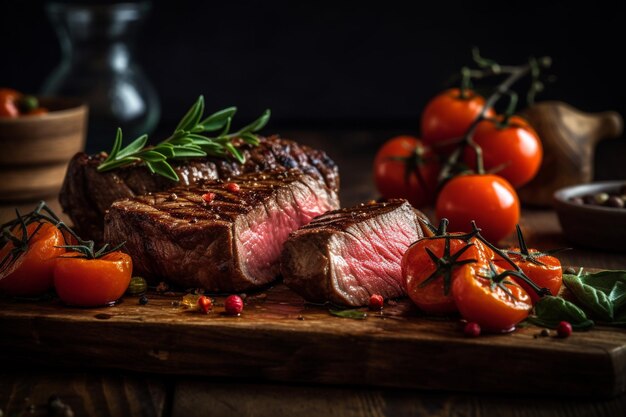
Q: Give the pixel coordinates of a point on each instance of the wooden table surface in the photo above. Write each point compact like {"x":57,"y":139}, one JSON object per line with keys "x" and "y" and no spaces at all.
{"x":102,"y":392}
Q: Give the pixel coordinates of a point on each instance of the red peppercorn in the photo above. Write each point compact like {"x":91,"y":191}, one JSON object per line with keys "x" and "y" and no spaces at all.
{"x":564,"y":329}
{"x":233,"y":305}
{"x":232,"y":187}
{"x":472,"y":329}
{"x":376,"y":302}
{"x":208,"y":197}
{"x":205,"y":304}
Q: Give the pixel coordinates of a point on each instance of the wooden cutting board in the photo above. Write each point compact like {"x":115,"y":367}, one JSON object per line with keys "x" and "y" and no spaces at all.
{"x":280,"y":338}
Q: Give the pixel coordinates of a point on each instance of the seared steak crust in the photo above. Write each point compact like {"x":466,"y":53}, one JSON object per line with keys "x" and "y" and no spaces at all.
{"x":211,"y":236}
{"x":87,"y":194}
{"x":347,"y":255}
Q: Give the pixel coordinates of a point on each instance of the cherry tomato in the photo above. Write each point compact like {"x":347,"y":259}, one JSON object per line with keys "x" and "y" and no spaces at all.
{"x":479,"y":301}
{"x":488,"y":199}
{"x":449,"y":116}
{"x":8,"y":105}
{"x":92,"y":282}
{"x":390,"y":165}
{"x":417,"y":266}
{"x":545,"y":271}
{"x":516,"y":147}
{"x":31,"y":273}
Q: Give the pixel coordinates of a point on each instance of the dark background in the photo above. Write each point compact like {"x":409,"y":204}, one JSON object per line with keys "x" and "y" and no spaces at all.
{"x":341,"y":66}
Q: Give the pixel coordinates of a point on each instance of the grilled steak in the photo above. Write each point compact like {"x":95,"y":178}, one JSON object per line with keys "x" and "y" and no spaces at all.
{"x":87,"y":193}
{"x":230,"y":243}
{"x":345,"y":256}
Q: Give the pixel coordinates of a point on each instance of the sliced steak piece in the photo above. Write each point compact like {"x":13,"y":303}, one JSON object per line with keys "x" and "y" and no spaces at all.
{"x":347,"y":255}
{"x":87,"y":194}
{"x":230,"y":243}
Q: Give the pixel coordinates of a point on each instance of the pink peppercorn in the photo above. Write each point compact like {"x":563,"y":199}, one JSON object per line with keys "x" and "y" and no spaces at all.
{"x":472,"y":329}
{"x":376,"y":302}
{"x":205,"y":304}
{"x":208,"y":197}
{"x":232,"y":187}
{"x":564,"y":329}
{"x":233,"y":305}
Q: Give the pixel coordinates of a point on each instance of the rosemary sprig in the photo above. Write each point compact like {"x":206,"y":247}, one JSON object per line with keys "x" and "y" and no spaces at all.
{"x":187,"y":141}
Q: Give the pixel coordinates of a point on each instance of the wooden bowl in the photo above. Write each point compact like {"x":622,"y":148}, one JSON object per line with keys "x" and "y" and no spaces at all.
{"x":590,"y":225}
{"x":35,"y":150}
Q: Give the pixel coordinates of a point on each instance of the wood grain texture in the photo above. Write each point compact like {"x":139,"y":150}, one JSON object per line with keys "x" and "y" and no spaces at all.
{"x":280,"y":338}
{"x":201,"y":398}
{"x":91,"y":394}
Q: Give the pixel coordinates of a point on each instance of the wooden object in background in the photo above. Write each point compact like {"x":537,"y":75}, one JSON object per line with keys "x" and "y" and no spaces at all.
{"x":37,"y":149}
{"x":569,"y":137}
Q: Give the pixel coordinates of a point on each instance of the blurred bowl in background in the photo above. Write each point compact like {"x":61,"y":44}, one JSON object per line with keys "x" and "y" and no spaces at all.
{"x":35,"y":150}
{"x":590,"y":225}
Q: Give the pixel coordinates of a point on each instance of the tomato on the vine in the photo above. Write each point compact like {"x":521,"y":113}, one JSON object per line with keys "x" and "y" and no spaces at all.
{"x":487,"y":199}
{"x":484,"y":294}
{"x":404,"y":155}
{"x":514,"y":147}
{"x":542,"y":269}
{"x":449,"y":115}
{"x":92,"y":282}
{"x":428,"y":284}
{"x":30,"y":273}
{"x":8,"y":105}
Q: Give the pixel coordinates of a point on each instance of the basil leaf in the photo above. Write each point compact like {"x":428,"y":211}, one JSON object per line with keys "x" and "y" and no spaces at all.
{"x":604,"y":280}
{"x":595,"y":300}
{"x":618,"y":296}
{"x":550,"y":311}
{"x":349,"y":314}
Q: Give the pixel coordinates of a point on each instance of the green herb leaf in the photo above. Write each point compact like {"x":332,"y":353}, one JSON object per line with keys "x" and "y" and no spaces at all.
{"x":550,"y":311}
{"x":152,"y":156}
{"x":596,"y":301}
{"x":192,"y":116}
{"x":604,"y":280}
{"x":250,"y":138}
{"x":257,"y":125}
{"x":134,"y":147}
{"x":349,"y":314}
{"x":217,"y":120}
{"x":235,"y":152}
{"x":618,"y":295}
{"x":162,"y":168}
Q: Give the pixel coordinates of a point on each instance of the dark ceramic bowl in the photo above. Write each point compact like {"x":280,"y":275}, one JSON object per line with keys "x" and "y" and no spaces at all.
{"x":591,"y":225}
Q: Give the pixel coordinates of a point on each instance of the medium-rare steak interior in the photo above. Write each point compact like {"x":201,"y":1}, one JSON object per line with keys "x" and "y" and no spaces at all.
{"x":347,"y":255}
{"x":221,"y":236}
{"x":87,"y":194}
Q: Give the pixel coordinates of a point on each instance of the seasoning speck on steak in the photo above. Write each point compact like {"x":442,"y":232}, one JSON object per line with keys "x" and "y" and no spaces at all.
{"x":346,"y":256}
{"x":87,"y":194}
{"x":216,"y":236}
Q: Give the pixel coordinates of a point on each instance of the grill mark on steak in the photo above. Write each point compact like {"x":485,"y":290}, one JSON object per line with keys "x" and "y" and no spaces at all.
{"x":229,"y":244}
{"x":87,"y":194}
{"x":345,"y":256}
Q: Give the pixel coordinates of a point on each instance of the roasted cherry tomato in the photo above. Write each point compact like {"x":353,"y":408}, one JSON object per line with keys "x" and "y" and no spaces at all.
{"x":390,"y":169}
{"x":31,"y":273}
{"x":92,"y":282}
{"x":515,"y":147}
{"x":543,"y":270}
{"x":495,"y":302}
{"x":8,"y":102}
{"x":448,"y":116}
{"x":488,"y":199}
{"x":418,"y":266}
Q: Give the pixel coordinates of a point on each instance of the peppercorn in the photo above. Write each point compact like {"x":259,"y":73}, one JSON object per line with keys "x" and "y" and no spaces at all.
{"x":544,"y":333}
{"x":232,"y":187}
{"x":376,"y":302}
{"x":208,"y":197}
{"x":233,"y":305}
{"x":205,"y":304}
{"x":472,"y":329}
{"x":564,"y":329}
{"x":614,"y":201}
{"x":143,"y":300}
{"x":600,"y":198}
